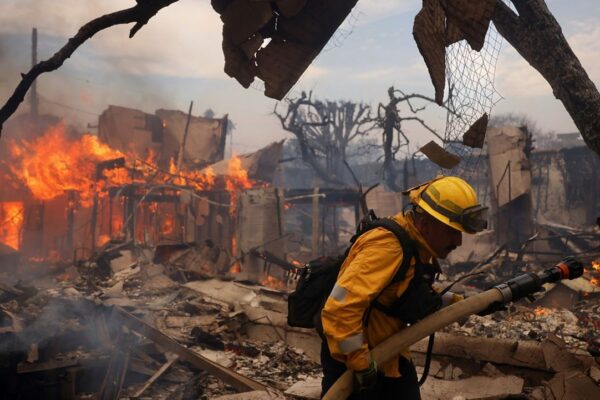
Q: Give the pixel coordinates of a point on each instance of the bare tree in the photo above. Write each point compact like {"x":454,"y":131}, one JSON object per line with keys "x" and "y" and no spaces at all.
{"x":324,"y":130}
{"x":533,"y":32}
{"x":390,"y":120}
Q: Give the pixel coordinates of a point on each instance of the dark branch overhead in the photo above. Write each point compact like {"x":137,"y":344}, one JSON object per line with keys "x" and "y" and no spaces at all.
{"x":139,"y":14}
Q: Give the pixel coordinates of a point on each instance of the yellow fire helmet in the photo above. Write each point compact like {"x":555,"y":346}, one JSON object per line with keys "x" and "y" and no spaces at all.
{"x":451,"y":200}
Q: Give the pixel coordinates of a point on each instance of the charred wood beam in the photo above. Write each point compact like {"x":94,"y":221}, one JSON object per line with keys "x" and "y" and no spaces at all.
{"x":228,"y":376}
{"x":156,"y":375}
{"x":273,"y":259}
{"x":139,"y":14}
{"x":26,"y":368}
{"x":331,"y":196}
{"x":538,"y":37}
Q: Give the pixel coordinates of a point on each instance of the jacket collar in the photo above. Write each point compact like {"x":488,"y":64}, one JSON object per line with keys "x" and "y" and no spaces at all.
{"x":406,"y":221}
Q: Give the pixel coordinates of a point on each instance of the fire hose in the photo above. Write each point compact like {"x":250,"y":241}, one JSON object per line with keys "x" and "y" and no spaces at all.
{"x":512,"y":290}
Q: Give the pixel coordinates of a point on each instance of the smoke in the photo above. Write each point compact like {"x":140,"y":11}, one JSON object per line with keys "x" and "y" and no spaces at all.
{"x":183,"y":41}
{"x":55,"y":317}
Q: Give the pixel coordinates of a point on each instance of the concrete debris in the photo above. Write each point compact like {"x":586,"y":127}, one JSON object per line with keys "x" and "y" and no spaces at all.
{"x":148,"y":323}
{"x":573,"y":384}
{"x":307,"y":389}
{"x":557,"y":357}
{"x":472,"y":388}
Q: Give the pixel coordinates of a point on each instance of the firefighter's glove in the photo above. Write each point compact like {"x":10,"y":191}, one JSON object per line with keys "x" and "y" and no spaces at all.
{"x":366,"y":382}
{"x":492,"y":308}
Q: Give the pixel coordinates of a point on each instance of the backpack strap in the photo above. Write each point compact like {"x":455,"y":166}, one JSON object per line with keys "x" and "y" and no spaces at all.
{"x":408,"y":253}
{"x":406,"y":243}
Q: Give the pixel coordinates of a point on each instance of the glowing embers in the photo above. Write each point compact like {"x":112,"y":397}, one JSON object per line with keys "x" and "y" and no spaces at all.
{"x":593,"y":273}
{"x":273,"y":283}
{"x":11,"y":223}
{"x":235,"y":267}
{"x":539,"y":311}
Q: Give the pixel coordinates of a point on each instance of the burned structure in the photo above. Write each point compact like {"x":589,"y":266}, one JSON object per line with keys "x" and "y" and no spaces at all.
{"x":139,"y":263}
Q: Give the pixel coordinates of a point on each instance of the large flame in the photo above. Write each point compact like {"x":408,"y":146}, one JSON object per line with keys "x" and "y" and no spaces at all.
{"x":11,"y":222}
{"x":57,"y":163}
{"x":235,"y":181}
{"x":53,"y":164}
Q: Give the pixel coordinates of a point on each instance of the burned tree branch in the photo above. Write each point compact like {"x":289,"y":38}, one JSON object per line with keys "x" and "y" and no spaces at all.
{"x":324,"y":130}
{"x":139,"y":14}
{"x":389,"y":119}
{"x":538,"y":37}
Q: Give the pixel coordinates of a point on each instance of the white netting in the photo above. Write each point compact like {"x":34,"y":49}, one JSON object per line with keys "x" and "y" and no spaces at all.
{"x":471,"y":93}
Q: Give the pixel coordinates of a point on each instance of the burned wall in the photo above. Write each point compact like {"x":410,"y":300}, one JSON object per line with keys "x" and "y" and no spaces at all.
{"x":566,"y":186}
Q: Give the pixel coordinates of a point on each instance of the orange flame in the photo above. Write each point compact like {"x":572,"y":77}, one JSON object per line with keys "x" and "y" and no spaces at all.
{"x":596,"y":265}
{"x":53,"y":164}
{"x":595,"y":281}
{"x":235,"y":181}
{"x":168,"y":225}
{"x":102,"y":240}
{"x":11,"y":222}
{"x":539,"y":311}
{"x":236,"y":268}
{"x":273,"y":283}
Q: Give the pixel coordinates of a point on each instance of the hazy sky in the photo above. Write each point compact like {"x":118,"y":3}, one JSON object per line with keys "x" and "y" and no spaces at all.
{"x":177,"y":58}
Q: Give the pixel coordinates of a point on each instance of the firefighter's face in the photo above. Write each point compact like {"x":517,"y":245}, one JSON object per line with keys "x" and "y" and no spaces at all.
{"x":441,"y":238}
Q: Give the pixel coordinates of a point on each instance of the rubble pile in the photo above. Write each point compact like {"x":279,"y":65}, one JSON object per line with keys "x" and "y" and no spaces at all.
{"x":526,"y":323}
{"x":173,"y":322}
{"x":63,"y":327}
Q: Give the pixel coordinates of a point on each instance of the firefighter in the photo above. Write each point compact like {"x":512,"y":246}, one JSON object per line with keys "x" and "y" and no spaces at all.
{"x":369,"y":302}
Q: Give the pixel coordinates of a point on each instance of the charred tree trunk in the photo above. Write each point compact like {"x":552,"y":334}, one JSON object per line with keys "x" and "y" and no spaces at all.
{"x":537,"y":36}
{"x":389,"y":170}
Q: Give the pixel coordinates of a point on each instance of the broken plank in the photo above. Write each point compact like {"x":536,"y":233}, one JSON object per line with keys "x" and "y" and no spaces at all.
{"x":115,"y":375}
{"x":25,"y":368}
{"x":156,"y":375}
{"x":232,"y":378}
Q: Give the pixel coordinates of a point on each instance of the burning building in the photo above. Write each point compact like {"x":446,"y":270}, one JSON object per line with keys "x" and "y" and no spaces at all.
{"x":150,"y":179}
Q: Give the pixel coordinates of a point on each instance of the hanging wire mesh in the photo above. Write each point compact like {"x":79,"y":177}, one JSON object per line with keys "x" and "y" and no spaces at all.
{"x":471,"y":93}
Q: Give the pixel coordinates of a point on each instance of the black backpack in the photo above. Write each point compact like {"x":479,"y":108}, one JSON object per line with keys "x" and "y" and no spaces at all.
{"x":317,"y":278}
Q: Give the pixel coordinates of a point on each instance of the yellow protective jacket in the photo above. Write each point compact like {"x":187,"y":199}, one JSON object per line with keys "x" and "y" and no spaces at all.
{"x":366,"y":274}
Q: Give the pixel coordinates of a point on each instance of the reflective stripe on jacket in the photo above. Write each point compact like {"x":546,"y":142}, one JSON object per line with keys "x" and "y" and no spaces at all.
{"x":367,"y":271}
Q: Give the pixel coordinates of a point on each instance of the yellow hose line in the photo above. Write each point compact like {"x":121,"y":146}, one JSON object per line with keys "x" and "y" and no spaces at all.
{"x":393,"y":345}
